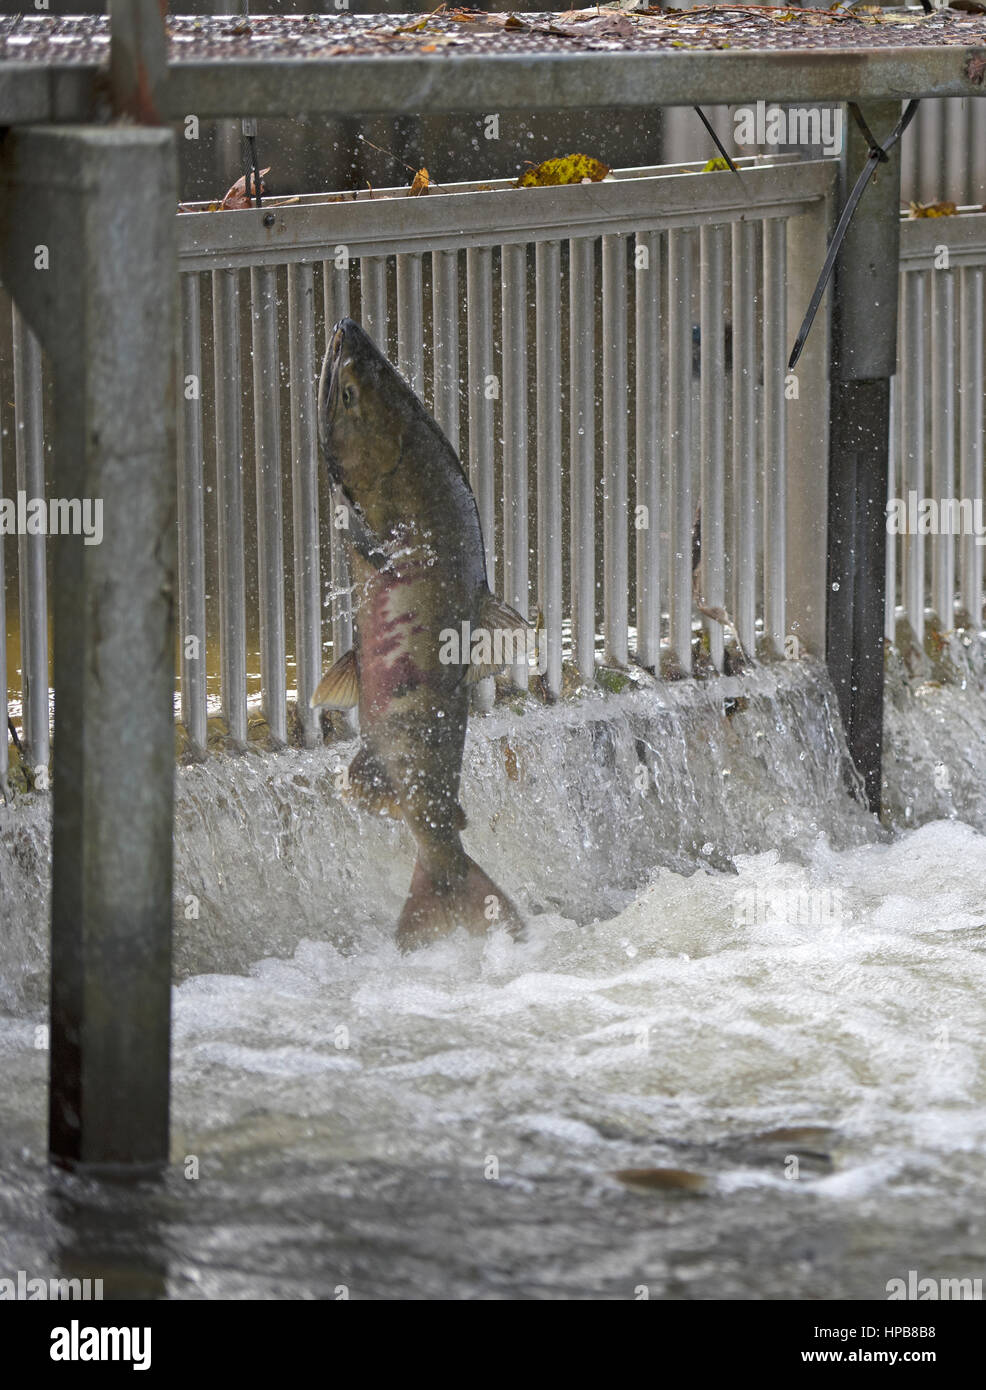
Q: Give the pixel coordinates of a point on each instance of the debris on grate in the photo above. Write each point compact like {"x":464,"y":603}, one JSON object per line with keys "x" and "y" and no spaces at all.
{"x":84,"y":39}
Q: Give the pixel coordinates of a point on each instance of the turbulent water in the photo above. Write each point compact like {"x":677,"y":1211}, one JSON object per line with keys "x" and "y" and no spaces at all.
{"x":732,"y":981}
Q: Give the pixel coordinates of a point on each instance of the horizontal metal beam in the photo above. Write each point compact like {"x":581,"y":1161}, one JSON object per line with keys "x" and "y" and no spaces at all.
{"x":529,"y":82}
{"x":641,"y":200}
{"x":426,"y":84}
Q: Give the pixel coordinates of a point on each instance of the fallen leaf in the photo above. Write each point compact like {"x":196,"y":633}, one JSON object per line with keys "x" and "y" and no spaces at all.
{"x":412,"y":28}
{"x":236,"y":196}
{"x":505,"y":21}
{"x":932,"y":210}
{"x":975,"y":68}
{"x":569,"y":168}
{"x":419,"y":184}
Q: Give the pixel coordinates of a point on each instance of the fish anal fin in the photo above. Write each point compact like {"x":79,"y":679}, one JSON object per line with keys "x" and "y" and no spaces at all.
{"x":339,"y":687}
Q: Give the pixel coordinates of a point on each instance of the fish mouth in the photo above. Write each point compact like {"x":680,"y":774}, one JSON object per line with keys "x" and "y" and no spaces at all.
{"x":338,"y":339}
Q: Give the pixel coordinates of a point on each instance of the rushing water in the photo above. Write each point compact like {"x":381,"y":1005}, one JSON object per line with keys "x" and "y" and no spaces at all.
{"x":730,"y":973}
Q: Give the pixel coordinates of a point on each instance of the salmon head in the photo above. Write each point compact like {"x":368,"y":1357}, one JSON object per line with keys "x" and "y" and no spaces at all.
{"x":365,"y":409}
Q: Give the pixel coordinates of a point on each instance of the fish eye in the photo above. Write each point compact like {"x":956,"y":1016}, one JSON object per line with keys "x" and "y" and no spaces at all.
{"x":348,"y":396}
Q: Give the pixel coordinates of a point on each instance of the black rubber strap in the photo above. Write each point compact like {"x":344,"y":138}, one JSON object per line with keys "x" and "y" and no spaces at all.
{"x":878,"y":154}
{"x":252,"y":142}
{"x":716,"y":141}
{"x":875,"y":149}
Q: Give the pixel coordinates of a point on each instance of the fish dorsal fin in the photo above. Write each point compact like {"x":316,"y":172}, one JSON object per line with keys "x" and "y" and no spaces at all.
{"x":339,"y":687}
{"x":494,"y":617}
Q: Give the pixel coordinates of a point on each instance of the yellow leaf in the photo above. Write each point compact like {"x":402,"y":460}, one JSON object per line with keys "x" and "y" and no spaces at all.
{"x":419,"y":184}
{"x":933,"y":210}
{"x":569,"y":168}
{"x":715,"y":165}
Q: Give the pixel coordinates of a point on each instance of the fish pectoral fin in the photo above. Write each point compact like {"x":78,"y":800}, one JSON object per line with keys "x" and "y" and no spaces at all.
{"x":371,"y":787}
{"x":339,"y":687}
{"x":504,"y":626}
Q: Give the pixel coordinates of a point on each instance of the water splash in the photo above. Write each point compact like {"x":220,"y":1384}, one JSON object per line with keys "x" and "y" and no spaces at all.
{"x":569,"y":808}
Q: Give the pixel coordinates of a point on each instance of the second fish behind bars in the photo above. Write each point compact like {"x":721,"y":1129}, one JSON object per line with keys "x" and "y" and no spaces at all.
{"x":419,"y":572}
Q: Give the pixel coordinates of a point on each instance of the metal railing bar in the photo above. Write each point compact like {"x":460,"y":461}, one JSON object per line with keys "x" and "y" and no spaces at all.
{"x":615,"y":403}
{"x":516,"y":525}
{"x":483,"y":387}
{"x":712,"y":409}
{"x":774,"y":458}
{"x":549,"y":521}
{"x":229,"y":497}
{"x":647,"y":404}
{"x":679,"y":446}
{"x":270,"y":531}
{"x":410,"y":321}
{"x":373,"y":299}
{"x":304,"y":497}
{"x":445,"y":342}
{"x":191,"y":518}
{"x":911,"y":374}
{"x":890,"y":571}
{"x":582,"y":451}
{"x":336,"y":305}
{"x":744,"y":543}
{"x":942,"y":348}
{"x":971,"y":367}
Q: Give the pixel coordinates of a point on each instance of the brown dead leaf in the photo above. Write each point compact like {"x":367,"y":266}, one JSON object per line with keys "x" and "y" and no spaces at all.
{"x":236,"y":196}
{"x":505,"y":21}
{"x":975,"y":68}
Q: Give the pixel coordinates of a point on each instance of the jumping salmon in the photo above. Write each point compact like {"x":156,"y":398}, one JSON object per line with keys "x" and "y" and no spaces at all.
{"x":419,"y":572}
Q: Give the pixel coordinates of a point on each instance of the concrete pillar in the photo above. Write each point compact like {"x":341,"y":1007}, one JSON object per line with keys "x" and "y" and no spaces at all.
{"x":808,"y":435}
{"x":87,"y":250}
{"x":864,"y":358}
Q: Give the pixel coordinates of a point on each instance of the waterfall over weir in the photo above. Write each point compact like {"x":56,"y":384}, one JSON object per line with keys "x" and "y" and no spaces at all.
{"x":569,"y":808}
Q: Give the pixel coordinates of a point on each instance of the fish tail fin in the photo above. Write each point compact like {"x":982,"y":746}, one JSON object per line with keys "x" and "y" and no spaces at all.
{"x":438,"y":904}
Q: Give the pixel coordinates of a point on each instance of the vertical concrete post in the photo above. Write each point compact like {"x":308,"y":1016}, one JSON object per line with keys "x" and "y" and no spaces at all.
{"x":864,"y":357}
{"x":808,"y":435}
{"x":87,"y":249}
{"x":138,"y":58}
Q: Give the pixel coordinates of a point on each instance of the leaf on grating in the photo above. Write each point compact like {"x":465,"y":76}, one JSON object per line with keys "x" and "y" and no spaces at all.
{"x":569,"y":168}
{"x":236,"y":197}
